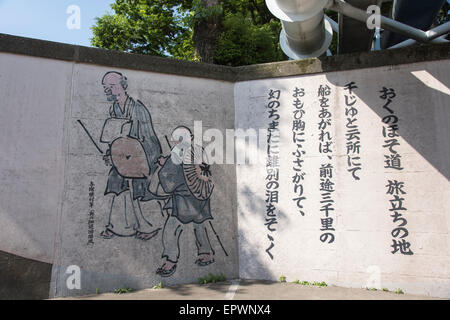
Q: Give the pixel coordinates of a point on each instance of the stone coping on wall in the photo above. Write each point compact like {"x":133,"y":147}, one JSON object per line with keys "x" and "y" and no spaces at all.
{"x":111,"y":58}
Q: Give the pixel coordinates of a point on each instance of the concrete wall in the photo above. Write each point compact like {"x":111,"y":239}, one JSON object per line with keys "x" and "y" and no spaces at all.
{"x":108,"y":264}
{"x":52,"y":203}
{"x":53,"y":206}
{"x":358,"y":251}
{"x":35,"y":93}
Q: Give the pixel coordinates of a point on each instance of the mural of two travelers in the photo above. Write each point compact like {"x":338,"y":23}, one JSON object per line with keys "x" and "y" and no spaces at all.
{"x":180,"y":183}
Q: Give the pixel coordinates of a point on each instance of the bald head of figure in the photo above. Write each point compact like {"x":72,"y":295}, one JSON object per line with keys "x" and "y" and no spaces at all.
{"x":115,"y":85}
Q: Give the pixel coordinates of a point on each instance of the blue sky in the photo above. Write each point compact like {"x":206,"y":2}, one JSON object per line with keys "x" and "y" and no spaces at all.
{"x":47,"y":19}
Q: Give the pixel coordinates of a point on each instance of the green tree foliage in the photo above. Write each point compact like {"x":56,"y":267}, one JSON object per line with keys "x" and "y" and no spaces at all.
{"x":444,"y":14}
{"x":242,"y":42}
{"x":140,"y":26}
{"x":245,"y":32}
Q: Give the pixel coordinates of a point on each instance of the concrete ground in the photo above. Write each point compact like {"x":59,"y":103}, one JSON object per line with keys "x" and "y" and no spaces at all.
{"x":253,"y":290}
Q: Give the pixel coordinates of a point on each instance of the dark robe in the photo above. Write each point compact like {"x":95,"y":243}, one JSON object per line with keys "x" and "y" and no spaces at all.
{"x":185,"y":207}
{"x":141,"y":129}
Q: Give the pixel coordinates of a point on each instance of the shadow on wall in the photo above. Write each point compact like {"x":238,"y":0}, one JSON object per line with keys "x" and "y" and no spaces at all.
{"x":415,"y":100}
{"x":23,"y":279}
{"x":421,"y":104}
{"x":424,"y":124}
{"x":247,"y":249}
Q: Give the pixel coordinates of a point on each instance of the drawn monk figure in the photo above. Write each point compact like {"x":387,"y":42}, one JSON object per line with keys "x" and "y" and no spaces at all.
{"x":189,"y":201}
{"x":133,"y":154}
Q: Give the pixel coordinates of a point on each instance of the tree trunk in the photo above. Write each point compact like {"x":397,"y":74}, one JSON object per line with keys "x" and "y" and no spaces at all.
{"x":206,"y":34}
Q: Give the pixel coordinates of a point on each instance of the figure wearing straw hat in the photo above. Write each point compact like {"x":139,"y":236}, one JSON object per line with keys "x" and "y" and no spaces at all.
{"x":186,"y":176}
